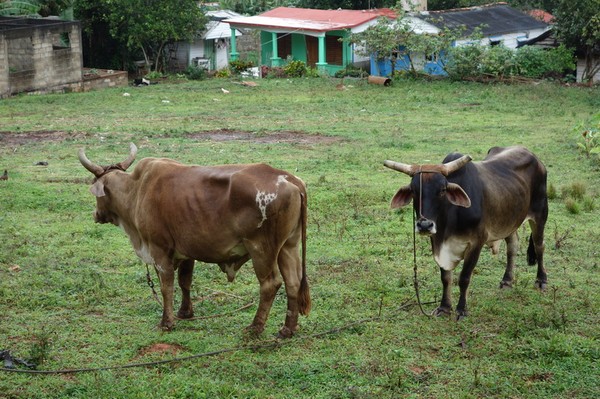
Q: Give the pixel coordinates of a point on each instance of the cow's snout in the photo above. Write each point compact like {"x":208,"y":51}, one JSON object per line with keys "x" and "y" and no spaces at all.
{"x":425,"y":226}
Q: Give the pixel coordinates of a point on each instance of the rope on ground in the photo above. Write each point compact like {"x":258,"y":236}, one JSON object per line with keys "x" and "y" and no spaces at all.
{"x":262,"y":345}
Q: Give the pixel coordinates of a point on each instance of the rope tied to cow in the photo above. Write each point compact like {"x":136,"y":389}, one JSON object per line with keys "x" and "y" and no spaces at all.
{"x":414,"y":234}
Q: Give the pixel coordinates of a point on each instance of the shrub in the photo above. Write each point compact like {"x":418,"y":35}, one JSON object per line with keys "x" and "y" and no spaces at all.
{"x":590,"y":133}
{"x":464,"y":61}
{"x":497,"y":61}
{"x":239,"y":66}
{"x":223,"y":73}
{"x":351,"y":71}
{"x":475,"y":60}
{"x":295,"y":69}
{"x":195,"y":73}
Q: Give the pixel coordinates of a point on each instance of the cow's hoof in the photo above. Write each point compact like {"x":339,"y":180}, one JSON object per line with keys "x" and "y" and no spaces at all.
{"x":461,"y":314}
{"x":541,"y":285}
{"x":254,"y":330}
{"x":285,"y":332}
{"x":505,"y":284}
{"x":442,"y":311}
{"x":166,"y":326}
{"x":185,"y":314}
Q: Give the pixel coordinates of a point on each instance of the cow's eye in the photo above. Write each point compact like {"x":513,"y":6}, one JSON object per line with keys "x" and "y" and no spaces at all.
{"x":442,"y":193}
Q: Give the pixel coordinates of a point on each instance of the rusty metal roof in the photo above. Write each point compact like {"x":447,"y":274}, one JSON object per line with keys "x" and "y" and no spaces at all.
{"x":304,"y":19}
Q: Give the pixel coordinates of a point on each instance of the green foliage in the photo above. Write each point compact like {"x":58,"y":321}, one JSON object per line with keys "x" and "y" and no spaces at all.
{"x":194,"y":72}
{"x":239,"y":66}
{"x":295,"y":69}
{"x":223,"y":73}
{"x":578,"y":26}
{"x":589,"y":142}
{"x":145,"y":25}
{"x":253,"y":7}
{"x":351,"y":71}
{"x":476,"y":60}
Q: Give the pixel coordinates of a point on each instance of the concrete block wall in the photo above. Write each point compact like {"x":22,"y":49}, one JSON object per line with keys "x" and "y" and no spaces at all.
{"x":37,"y":58}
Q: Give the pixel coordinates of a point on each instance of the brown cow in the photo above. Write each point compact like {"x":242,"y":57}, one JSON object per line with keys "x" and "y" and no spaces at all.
{"x":175,"y":214}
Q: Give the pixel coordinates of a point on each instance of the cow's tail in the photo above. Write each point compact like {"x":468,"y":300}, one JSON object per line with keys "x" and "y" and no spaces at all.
{"x":531,"y":256}
{"x":304,"y":303}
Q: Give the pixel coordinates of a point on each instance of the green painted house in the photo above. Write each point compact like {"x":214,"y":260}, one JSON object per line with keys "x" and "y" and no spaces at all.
{"x":311,"y":36}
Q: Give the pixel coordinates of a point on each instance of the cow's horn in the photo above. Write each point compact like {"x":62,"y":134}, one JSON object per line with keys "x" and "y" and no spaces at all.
{"x":132,"y":153}
{"x":455,"y":165}
{"x":400,"y":167}
{"x":92,"y":167}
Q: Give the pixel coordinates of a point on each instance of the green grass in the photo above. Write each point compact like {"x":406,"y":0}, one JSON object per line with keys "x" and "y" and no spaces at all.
{"x":74,"y":295}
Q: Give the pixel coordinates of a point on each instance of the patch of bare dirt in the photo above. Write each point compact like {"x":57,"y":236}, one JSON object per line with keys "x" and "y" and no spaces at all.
{"x":160,"y":348}
{"x":20,"y":138}
{"x":285,"y":136}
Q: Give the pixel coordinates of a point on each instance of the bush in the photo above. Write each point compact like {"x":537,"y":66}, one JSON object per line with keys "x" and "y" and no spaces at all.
{"x":497,"y":61}
{"x":195,"y":73}
{"x":295,"y":69}
{"x":239,"y":66}
{"x":223,"y":73}
{"x":351,"y":71}
{"x":476,"y":60}
{"x":464,"y":61}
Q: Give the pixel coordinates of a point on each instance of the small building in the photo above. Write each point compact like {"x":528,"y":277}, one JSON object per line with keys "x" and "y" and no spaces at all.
{"x":499,"y":24}
{"x":210,"y":50}
{"x":39,"y":55}
{"x":312,"y":36}
{"x":44,"y":55}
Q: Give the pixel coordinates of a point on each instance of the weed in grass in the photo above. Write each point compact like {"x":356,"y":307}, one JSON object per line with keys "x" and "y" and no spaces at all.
{"x":575,"y":190}
{"x":560,"y":239}
{"x":588,"y":204}
{"x":41,"y":346}
{"x":573,"y":206}
{"x":551,"y":192}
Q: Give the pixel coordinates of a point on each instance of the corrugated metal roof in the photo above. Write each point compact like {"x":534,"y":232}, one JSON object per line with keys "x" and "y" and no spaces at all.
{"x":494,"y":19}
{"x":287,"y":18}
{"x":215,"y":28}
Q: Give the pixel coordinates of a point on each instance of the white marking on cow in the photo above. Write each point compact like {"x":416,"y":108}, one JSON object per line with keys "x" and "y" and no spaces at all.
{"x":281,"y":179}
{"x":450,"y":254}
{"x":263,"y":198}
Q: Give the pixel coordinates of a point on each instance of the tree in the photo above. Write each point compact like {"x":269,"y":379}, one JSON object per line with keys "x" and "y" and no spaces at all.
{"x":148,"y":25}
{"x":42,"y":8}
{"x":578,"y":26}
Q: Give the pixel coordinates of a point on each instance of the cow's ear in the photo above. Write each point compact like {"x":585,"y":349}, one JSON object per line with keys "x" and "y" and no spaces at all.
{"x":98,"y":189}
{"x":457,"y":196}
{"x":402,"y":197}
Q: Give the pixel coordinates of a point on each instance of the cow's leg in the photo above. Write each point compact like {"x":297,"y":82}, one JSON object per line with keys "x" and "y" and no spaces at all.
{"x":537,"y":241}
{"x":469,"y":263}
{"x":185,"y":273}
{"x":166,"y":274}
{"x":445,"y":307}
{"x":291,"y":270}
{"x":265,"y":267}
{"x":512,"y":247}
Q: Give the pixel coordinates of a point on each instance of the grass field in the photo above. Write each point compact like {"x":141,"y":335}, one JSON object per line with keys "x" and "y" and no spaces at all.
{"x":74,"y":295}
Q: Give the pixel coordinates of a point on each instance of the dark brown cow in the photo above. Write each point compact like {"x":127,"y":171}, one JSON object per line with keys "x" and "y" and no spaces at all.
{"x":175,"y":214}
{"x":463,"y":205}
